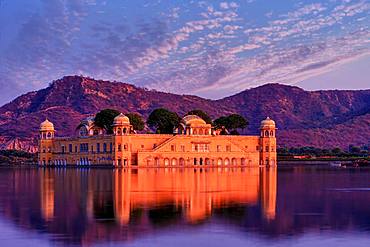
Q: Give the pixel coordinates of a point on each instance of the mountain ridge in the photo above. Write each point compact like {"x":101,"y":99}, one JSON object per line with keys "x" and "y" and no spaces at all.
{"x":303,"y":117}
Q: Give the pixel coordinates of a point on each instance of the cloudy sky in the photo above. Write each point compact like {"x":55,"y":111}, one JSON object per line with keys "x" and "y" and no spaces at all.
{"x":208,"y":48}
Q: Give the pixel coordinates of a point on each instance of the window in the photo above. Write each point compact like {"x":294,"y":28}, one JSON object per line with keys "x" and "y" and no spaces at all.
{"x":218,"y":148}
{"x":70,"y":149}
{"x":63,"y":149}
{"x":257,"y":148}
{"x":246,"y":147}
{"x":271,"y":133}
{"x":142,"y":146}
{"x":182,"y":147}
{"x":266,"y":133}
{"x":125,"y":147}
{"x":75,"y":149}
{"x":173,"y":148}
{"x":83,"y":131}
{"x":110,"y":147}
{"x":84,"y":147}
{"x":267,"y":148}
{"x":104,"y":147}
{"x":272,"y":149}
{"x":228,"y":148}
{"x":199,"y":147}
{"x":98,"y":147}
{"x":119,"y":148}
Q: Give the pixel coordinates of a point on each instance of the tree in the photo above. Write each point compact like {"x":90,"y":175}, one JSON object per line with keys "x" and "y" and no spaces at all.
{"x":354,"y":149}
{"x":163,"y":120}
{"x":221,"y":122}
{"x":237,"y":121}
{"x":336,"y":151}
{"x":201,"y":114}
{"x":104,"y":119}
{"x":231,"y":123}
{"x":136,"y":120}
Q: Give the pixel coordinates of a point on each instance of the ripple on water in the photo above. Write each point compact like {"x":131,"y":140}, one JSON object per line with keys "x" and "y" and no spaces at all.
{"x":350,"y":189}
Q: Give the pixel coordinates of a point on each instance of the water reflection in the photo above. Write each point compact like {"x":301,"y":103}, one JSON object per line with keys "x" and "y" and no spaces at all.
{"x":190,"y":193}
{"x":89,"y":206}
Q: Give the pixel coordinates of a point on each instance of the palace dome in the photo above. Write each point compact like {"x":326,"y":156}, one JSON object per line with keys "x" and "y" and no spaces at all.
{"x":88,"y":122}
{"x":192,"y":119}
{"x":46,"y":126}
{"x":267,"y":123}
{"x":121,"y":119}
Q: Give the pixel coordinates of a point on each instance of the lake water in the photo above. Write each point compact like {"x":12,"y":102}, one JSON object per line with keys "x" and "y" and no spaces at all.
{"x":285,"y":206}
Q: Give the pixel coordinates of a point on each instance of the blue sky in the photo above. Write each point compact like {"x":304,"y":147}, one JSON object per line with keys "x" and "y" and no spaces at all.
{"x":208,"y":48}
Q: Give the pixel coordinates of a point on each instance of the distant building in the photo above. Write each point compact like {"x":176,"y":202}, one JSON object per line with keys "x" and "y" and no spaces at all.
{"x":193,"y":144}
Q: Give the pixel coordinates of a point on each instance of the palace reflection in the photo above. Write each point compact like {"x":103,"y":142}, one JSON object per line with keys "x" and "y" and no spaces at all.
{"x":195,"y":192}
{"x":151,"y":198}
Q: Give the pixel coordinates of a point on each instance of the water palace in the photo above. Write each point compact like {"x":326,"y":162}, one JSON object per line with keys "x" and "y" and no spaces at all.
{"x":193,"y":144}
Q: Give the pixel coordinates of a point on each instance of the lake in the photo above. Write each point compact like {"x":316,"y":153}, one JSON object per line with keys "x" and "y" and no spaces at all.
{"x":285,"y":206}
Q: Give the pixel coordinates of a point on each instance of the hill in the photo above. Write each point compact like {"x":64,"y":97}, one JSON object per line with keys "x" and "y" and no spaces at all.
{"x":319,"y":118}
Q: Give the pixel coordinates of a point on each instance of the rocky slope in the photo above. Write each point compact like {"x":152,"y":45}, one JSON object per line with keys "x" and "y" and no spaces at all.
{"x":319,"y":118}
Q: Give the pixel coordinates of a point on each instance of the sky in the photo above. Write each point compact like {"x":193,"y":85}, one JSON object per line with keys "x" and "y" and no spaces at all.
{"x":208,"y":48}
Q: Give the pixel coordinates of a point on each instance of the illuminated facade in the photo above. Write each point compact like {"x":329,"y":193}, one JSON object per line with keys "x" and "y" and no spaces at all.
{"x":193,"y":144}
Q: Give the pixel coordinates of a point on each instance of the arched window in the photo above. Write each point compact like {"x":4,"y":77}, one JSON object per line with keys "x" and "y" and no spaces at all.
{"x":182,"y":162}
{"x":124,"y":130}
{"x":233,"y":162}
{"x":96,"y":132}
{"x":266,"y":133}
{"x":271,"y":133}
{"x":195,"y":132}
{"x":208,"y":161}
{"x":219,"y":162}
{"x":243,"y":163}
{"x":227,"y":162}
{"x":200,"y":132}
{"x":174,"y":162}
{"x":48,"y":135}
{"x":118,"y":131}
{"x":166,"y":162}
{"x":83,"y":131}
{"x":104,"y":147}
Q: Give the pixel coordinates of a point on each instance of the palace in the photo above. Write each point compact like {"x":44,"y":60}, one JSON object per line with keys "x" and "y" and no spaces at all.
{"x":193,"y":144}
